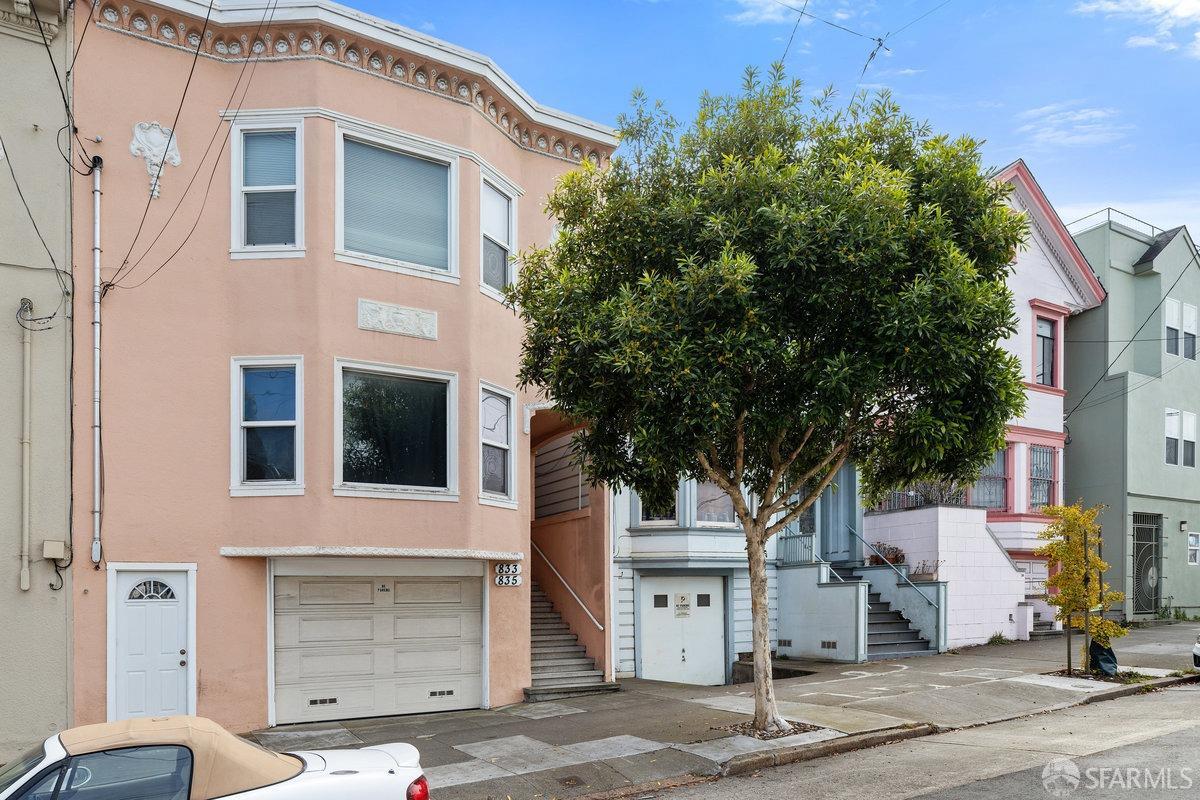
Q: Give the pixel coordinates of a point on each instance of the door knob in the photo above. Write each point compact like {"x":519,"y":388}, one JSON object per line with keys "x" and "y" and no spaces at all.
{"x":183,"y":652}
{"x":182,"y":663}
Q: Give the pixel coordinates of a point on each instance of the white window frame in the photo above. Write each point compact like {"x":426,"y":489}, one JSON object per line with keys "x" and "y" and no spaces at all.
{"x":1175,"y":415}
{"x":500,"y":184}
{"x":1193,"y":550}
{"x":491,"y":498}
{"x":403,"y":145}
{"x":642,"y":522}
{"x":237,"y":235}
{"x":1172,"y":312}
{"x":342,"y":488}
{"x":1188,"y":327}
{"x":1187,"y":433}
{"x":237,"y":486}
{"x":696,"y":512}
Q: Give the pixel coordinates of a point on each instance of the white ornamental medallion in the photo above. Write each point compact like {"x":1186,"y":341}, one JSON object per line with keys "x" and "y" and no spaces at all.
{"x":158,"y":147}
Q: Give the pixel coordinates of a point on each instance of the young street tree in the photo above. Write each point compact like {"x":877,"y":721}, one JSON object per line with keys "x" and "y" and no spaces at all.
{"x":779,"y":289}
{"x":1073,"y":546}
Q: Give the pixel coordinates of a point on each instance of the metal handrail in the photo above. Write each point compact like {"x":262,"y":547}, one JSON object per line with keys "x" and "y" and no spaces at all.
{"x":558,"y":574}
{"x":903,"y":577}
{"x":812,"y":550}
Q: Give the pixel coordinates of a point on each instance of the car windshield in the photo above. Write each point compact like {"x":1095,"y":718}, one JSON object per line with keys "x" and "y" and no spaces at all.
{"x":18,"y":768}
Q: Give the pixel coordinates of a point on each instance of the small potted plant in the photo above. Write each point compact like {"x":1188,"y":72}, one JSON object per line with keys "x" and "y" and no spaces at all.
{"x":924,"y":570}
{"x":884,"y":553}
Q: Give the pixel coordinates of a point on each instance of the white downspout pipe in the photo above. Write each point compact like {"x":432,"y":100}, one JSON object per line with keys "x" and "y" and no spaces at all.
{"x":26,"y":435}
{"x":97,"y":165}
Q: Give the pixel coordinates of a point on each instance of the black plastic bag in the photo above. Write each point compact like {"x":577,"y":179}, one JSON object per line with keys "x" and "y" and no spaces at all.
{"x":1103,"y":659}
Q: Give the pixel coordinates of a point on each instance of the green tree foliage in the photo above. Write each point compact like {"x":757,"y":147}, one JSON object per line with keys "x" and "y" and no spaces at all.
{"x":779,"y":288}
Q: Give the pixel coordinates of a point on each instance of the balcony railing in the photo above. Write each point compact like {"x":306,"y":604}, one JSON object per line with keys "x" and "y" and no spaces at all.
{"x":795,"y":547}
{"x":1110,"y":216}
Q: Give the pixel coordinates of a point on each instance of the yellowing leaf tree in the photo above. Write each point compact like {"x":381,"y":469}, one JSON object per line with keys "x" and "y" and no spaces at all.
{"x":1082,"y":597}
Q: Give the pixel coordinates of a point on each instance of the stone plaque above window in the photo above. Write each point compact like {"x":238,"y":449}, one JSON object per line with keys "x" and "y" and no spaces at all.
{"x":388,"y":318}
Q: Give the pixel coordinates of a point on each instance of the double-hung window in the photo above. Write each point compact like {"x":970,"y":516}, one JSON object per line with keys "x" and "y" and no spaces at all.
{"x":713,"y":505}
{"x":497,"y":233}
{"x":1189,"y":331}
{"x":268,"y":202}
{"x":668,"y":515}
{"x":395,"y":431}
{"x":267,"y":443}
{"x":496,"y":435}
{"x":1172,"y":429}
{"x":1041,"y":476}
{"x":1188,"y":421}
{"x":396,"y":207}
{"x":1045,"y":352}
{"x":1193,"y":545}
{"x":991,"y":490}
{"x":1171,"y":319}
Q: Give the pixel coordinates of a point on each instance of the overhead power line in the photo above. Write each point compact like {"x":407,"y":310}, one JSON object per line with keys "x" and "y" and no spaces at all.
{"x":62,"y":90}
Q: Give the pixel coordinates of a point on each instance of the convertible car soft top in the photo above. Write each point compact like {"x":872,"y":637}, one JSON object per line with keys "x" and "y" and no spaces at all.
{"x":222,"y":764}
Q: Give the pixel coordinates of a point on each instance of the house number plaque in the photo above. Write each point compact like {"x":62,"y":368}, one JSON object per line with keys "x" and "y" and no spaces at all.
{"x":508,"y":573}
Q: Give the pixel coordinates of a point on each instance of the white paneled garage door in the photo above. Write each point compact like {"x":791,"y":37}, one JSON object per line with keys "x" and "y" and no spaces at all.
{"x":374,"y":646}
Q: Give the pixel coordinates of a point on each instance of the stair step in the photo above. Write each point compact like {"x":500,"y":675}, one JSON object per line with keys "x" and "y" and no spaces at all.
{"x":888,"y":627}
{"x":885,"y":616}
{"x":880,"y":637}
{"x":874,"y":656}
{"x":554,"y":638}
{"x":539,"y":625}
{"x":553,"y":649}
{"x":563,"y":664}
{"x":569,"y":679}
{"x":541,"y":693}
{"x":902,"y":646}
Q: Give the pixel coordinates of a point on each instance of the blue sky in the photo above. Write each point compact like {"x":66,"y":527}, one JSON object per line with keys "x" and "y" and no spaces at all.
{"x":1098,"y":96}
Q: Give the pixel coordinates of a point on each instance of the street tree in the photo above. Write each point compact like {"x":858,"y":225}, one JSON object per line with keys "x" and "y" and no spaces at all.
{"x":782,"y":287}
{"x":1080,"y":595}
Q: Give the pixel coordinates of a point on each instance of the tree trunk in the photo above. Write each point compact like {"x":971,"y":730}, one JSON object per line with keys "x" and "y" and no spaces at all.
{"x":766,"y":712}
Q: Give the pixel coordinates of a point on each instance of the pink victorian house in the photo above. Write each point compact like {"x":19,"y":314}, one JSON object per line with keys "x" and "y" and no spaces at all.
{"x":306,"y":477}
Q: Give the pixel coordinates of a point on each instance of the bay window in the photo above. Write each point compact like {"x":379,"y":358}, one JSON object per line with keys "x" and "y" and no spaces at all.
{"x":268,"y":201}
{"x":495,"y":240}
{"x":266,"y":443}
{"x":395,"y":431}
{"x":1041,"y":476}
{"x":991,"y":490}
{"x":496,"y":445}
{"x":396,"y":207}
{"x":713,"y":505}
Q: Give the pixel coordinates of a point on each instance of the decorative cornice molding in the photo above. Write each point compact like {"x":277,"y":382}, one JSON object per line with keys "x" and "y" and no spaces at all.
{"x":387,"y":52}
{"x":24,"y":25}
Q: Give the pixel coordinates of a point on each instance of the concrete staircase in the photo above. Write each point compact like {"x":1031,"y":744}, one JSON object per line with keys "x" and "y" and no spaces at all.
{"x":889,"y":633}
{"x":561,"y":667}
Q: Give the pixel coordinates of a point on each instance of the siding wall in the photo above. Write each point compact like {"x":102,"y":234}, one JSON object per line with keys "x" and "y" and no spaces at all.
{"x":559,"y":484}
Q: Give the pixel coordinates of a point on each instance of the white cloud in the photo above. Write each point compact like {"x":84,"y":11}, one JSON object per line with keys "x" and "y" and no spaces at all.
{"x":757,"y":12}
{"x":1163,"y":18}
{"x":1165,"y":212}
{"x":428,"y":26}
{"x":1070,"y":124}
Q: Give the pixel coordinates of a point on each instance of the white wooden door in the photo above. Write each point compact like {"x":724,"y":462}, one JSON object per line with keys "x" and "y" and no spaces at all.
{"x":151,"y":675}
{"x":376,"y":646}
{"x":682,"y":629}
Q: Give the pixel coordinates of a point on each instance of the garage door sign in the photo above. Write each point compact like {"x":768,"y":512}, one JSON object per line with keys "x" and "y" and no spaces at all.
{"x":683,"y":605}
{"x":508,"y":573}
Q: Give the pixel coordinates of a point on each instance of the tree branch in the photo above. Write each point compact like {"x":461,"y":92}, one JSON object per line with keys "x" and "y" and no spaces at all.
{"x":780,"y":469}
{"x":721,"y":479}
{"x":803,"y":505}
{"x":782,"y":500}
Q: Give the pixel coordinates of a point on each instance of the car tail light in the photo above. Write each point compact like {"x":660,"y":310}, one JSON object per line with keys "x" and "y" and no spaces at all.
{"x":418,"y":789}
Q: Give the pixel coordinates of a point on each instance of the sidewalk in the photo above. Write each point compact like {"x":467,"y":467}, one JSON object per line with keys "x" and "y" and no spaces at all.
{"x":652,"y":732}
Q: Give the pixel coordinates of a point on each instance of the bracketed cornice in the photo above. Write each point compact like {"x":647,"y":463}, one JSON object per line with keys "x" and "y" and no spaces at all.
{"x":308,"y":30}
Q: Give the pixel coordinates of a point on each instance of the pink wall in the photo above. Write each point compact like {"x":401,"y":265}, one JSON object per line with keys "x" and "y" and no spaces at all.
{"x":576,"y":543}
{"x":168,"y":344}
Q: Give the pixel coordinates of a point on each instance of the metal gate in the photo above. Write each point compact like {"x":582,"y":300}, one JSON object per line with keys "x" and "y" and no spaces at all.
{"x":1147,"y":563}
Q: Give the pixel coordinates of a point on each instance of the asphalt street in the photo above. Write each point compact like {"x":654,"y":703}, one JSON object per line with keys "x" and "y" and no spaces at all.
{"x":1141,"y":746}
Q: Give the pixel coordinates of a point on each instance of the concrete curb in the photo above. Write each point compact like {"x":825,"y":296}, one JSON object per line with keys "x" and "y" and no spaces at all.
{"x":750,"y":762}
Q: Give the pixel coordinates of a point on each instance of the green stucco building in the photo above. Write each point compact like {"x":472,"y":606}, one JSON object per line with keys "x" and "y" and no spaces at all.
{"x":1133,"y":396}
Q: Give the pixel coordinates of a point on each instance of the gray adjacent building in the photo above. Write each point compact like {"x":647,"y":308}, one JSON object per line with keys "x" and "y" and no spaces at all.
{"x":1133,"y":396}
{"x":35,"y":357}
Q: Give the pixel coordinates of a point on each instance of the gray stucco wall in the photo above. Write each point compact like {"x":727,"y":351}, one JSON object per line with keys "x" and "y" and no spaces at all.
{"x":34,"y":656}
{"x":1116,"y":451}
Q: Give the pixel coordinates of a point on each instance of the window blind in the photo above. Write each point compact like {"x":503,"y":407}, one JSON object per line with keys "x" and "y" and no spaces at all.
{"x":494,"y":215}
{"x":396,"y":206}
{"x":269,"y":159}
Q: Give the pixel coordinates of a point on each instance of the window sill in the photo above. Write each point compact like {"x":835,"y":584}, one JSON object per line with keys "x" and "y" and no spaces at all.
{"x":265,"y":253}
{"x":497,"y":501}
{"x":442,"y":496}
{"x":1041,"y":387}
{"x":244,"y":490}
{"x":491,"y":292}
{"x":375,"y":262}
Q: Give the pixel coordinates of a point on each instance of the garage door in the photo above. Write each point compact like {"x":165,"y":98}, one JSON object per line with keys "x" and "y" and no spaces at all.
{"x":682,"y":629}
{"x":363,"y":647}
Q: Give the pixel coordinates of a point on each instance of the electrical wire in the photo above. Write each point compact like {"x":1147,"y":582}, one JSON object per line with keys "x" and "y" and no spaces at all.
{"x":87,"y":27}
{"x":39,"y":323}
{"x":1123,"y":392}
{"x":170,"y":138}
{"x":267,"y":19}
{"x":799,"y":17}
{"x":66,"y":103}
{"x":1149,"y":316}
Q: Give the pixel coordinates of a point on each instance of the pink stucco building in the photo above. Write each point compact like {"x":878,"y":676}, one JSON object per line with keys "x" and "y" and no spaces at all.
{"x":314,"y":453}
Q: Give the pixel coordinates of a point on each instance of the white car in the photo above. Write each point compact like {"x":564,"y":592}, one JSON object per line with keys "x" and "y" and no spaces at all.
{"x":191,"y":758}
{"x":1196,"y":654}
